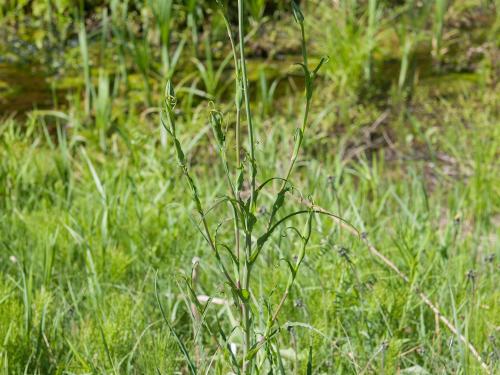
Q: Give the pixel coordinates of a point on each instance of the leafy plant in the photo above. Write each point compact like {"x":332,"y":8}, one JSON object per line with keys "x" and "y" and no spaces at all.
{"x":251,"y":232}
{"x":266,"y":92}
{"x":349,"y":31}
{"x":257,"y":8}
{"x":211,"y":76}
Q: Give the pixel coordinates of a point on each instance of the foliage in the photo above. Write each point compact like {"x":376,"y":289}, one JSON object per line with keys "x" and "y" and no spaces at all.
{"x":103,"y":268}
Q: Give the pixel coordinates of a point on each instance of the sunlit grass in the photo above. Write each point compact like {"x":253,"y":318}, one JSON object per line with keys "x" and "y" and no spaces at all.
{"x":97,"y":226}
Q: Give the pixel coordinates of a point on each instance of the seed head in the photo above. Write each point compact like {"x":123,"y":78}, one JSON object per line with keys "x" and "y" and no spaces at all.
{"x":490,"y":258}
{"x":471,"y":275}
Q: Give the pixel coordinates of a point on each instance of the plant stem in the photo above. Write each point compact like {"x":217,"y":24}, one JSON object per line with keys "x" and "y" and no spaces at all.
{"x":247,"y":102}
{"x":246,"y":319}
{"x":308,"y":106}
{"x":238,"y":147}
{"x":246,"y":312}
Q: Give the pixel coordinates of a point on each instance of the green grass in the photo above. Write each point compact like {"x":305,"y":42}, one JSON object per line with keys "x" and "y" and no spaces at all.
{"x":97,"y":223}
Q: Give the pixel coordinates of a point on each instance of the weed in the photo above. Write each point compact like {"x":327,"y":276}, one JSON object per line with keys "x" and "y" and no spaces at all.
{"x":242,"y":199}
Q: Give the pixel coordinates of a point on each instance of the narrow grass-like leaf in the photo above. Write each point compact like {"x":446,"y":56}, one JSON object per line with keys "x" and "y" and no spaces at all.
{"x":180,"y":343}
{"x":309,"y":369}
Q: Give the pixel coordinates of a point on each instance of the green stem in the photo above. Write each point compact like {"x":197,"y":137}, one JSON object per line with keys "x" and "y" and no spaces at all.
{"x":245,"y":307}
{"x":246,"y":312}
{"x":306,"y":113}
{"x":247,"y":102}
{"x":238,"y":87}
{"x":238,"y":146}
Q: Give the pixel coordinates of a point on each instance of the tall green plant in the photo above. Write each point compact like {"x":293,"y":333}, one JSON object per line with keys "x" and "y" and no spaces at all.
{"x":209,"y":74}
{"x":84,"y":51}
{"x":257,"y":8}
{"x":162,"y":11}
{"x":251,"y":232}
{"x":119,"y":16}
{"x":437,"y":39}
{"x":192,"y":17}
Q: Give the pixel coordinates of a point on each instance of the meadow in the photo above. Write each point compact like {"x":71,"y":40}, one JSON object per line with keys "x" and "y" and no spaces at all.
{"x":323,"y":198}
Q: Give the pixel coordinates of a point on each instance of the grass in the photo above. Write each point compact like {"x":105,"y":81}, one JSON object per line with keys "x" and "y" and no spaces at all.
{"x":96,"y":221}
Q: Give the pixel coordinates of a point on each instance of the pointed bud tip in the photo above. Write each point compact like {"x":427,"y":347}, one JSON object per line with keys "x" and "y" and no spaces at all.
{"x":297,"y":13}
{"x":169,"y":89}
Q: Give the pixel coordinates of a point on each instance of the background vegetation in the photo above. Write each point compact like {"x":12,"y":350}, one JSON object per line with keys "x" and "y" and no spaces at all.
{"x":403,"y":142}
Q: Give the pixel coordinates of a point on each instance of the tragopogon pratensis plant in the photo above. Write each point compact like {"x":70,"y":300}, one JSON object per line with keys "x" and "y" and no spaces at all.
{"x":255,"y":346}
